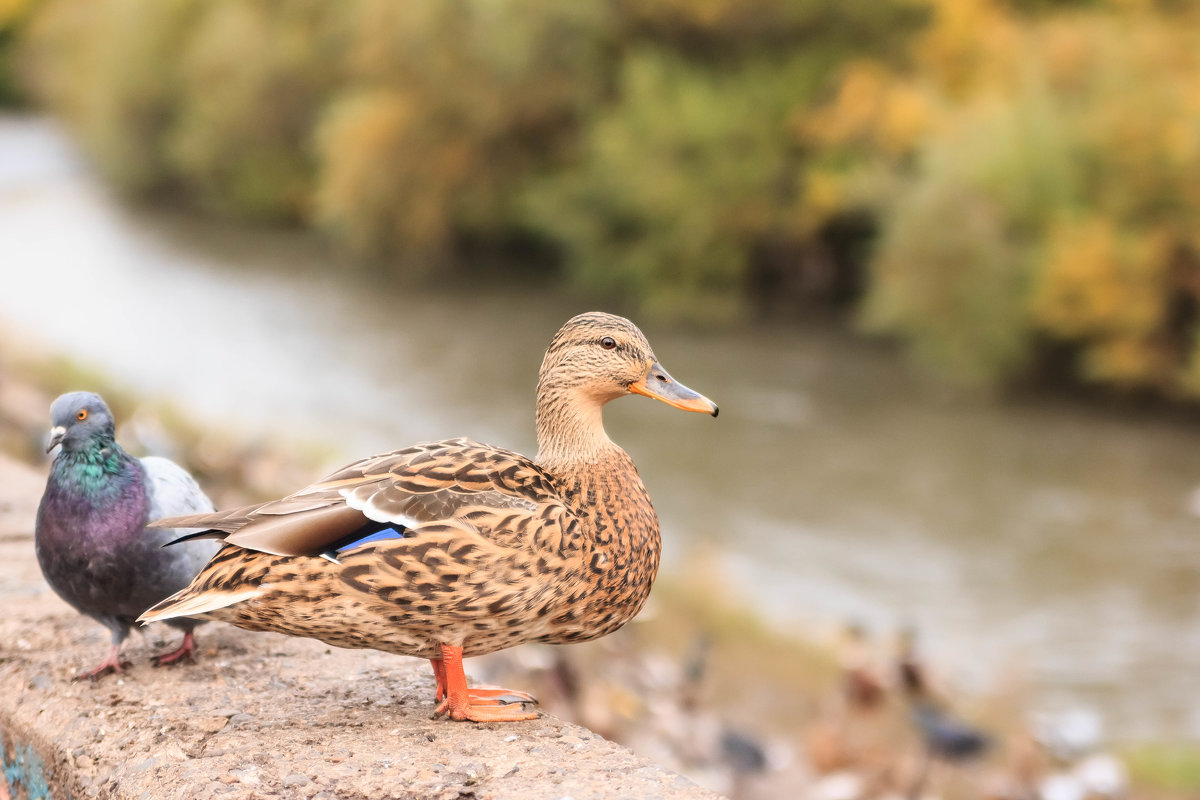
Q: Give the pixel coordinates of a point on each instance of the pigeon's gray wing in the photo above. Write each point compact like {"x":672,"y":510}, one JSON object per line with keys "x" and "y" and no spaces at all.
{"x":173,"y":492}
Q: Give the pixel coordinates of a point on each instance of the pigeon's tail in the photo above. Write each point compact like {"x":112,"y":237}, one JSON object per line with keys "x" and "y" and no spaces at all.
{"x":186,"y":603}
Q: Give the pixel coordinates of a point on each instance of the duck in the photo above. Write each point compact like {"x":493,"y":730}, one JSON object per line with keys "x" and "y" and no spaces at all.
{"x":451,"y":549}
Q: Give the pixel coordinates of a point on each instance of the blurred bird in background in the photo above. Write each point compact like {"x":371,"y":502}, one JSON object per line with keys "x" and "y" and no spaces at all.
{"x":945,"y":736}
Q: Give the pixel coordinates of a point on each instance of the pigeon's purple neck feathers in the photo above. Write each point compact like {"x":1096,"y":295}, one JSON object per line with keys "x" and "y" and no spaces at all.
{"x":99,"y":489}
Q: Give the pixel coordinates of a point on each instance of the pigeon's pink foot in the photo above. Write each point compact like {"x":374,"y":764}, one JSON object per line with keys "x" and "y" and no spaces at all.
{"x":111,"y":664}
{"x":186,"y":650}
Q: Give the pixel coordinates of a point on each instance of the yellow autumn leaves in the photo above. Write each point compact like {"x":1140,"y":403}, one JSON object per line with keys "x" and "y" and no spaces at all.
{"x":1036,"y":180}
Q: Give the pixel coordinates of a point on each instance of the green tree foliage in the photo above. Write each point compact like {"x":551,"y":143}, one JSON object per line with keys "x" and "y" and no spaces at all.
{"x":447,"y":110}
{"x":396,"y":126}
{"x":692,"y":170}
{"x":111,"y":69}
{"x":675,"y":184}
{"x":405,"y":129}
{"x":727,"y":31}
{"x":252,"y":79}
{"x":1013,"y":177}
{"x":14,"y":14}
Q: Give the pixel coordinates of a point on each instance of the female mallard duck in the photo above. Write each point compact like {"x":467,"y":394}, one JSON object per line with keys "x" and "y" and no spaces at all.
{"x":454,"y":548}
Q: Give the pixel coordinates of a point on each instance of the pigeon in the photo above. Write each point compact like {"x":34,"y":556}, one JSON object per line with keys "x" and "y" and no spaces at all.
{"x":92,"y":542}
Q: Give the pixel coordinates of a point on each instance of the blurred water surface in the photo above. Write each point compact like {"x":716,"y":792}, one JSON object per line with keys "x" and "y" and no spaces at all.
{"x":1040,"y":537}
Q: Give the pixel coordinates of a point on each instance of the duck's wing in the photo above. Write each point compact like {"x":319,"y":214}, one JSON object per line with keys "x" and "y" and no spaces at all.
{"x":456,"y":480}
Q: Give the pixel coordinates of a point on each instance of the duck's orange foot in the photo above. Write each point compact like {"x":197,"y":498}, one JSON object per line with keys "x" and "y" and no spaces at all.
{"x":480,"y":695}
{"x":487,"y":709}
{"x":482,"y":704}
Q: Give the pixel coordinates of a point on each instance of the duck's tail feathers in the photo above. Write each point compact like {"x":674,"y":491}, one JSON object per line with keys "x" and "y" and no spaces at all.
{"x":211,"y":533}
{"x":229,"y":520}
{"x":187,"y":604}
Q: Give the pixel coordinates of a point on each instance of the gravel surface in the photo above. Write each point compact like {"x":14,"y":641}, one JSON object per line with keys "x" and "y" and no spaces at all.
{"x":259,"y":715}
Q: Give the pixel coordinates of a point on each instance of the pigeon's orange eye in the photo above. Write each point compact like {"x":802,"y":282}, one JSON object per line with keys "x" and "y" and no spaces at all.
{"x":81,"y":415}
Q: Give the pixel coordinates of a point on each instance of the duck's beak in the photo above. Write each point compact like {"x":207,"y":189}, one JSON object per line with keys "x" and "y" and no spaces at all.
{"x":56,"y":436}
{"x":659,"y":384}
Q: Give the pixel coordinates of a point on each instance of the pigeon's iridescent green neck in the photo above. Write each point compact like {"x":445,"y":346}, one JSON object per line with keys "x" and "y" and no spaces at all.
{"x":91,"y":468}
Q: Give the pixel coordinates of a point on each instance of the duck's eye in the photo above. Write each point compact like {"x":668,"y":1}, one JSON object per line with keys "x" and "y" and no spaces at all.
{"x":608,"y":343}
{"x":81,"y":414}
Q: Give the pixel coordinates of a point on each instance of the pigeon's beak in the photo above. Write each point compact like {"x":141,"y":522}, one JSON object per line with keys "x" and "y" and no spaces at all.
{"x":56,"y":436}
{"x":658,"y":383}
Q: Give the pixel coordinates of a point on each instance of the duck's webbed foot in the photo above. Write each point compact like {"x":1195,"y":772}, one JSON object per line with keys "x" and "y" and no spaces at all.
{"x":483,"y":704}
{"x":498,"y":696}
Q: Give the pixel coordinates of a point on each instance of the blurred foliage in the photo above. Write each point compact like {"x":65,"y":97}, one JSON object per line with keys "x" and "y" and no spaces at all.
{"x":216,"y":99}
{"x":252,"y":79}
{"x":448,"y":108}
{"x":1034,"y":179}
{"x":1003,"y":185}
{"x":675,"y":185}
{"x":408,"y":129}
{"x":111,"y":69}
{"x":1172,"y":767}
{"x":14,"y":15}
{"x":689,"y":190}
{"x":724,"y":31}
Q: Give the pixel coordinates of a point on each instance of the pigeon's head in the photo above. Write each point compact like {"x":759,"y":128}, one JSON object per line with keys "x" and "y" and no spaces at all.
{"x":77,"y":418}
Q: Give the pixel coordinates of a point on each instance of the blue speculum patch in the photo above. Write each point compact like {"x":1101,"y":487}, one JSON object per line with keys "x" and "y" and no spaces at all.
{"x":367,"y":534}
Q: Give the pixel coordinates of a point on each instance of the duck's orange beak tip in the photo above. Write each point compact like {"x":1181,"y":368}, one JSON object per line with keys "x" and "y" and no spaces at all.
{"x":658,"y":384}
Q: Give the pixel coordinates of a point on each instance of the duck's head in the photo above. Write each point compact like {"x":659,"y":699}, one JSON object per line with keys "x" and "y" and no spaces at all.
{"x":597,"y":357}
{"x":77,"y":418}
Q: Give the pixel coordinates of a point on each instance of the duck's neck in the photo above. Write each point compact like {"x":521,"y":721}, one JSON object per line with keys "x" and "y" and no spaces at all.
{"x":600,"y":484}
{"x":598,"y":477}
{"x":570,"y":431}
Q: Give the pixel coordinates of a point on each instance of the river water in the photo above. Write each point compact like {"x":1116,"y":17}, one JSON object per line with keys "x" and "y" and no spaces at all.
{"x":1031,"y":536}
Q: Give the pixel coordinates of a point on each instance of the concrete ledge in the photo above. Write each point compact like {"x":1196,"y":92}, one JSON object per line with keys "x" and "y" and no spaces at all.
{"x":259,"y":715}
